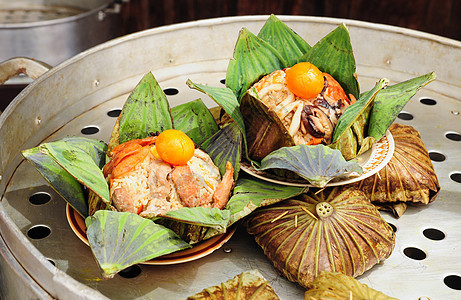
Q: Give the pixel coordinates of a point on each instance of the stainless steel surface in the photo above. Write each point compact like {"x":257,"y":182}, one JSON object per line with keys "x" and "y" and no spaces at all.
{"x":55,"y":30}
{"x":22,"y":65}
{"x":16,"y":283}
{"x":30,"y":12}
{"x":57,"y":105}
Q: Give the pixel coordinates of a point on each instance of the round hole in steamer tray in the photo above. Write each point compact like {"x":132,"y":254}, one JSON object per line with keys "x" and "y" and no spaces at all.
{"x":436,"y":156}
{"x":223,"y":81}
{"x":453,"y":282}
{"x":428,"y":101}
{"x":114,"y":113}
{"x":89,"y":130}
{"x":454,"y":136}
{"x":40,"y":198}
{"x":130,"y":272}
{"x":38,"y":232}
{"x":394,"y":228}
{"x":414,"y":253}
{"x":406,"y":116}
{"x":456,"y":177}
{"x":171,"y":91}
{"x":52,"y":262}
{"x":433,"y":234}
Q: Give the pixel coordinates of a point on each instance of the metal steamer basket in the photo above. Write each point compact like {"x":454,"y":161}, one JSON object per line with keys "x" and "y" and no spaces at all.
{"x":42,"y":257}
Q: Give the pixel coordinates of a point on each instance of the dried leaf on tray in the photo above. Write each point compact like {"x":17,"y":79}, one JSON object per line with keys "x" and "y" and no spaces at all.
{"x":331,"y":286}
{"x":247,"y":285}
{"x":409,"y":177}
{"x":336,"y":229}
{"x":397,"y":209}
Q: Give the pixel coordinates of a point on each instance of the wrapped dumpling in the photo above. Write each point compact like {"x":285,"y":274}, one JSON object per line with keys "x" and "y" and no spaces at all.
{"x":409,"y":177}
{"x":336,"y":230}
{"x":144,"y":182}
{"x":293,"y":106}
{"x":337,"y":286}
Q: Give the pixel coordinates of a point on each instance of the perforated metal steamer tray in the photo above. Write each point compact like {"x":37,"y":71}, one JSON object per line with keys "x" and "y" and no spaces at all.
{"x":79,"y":96}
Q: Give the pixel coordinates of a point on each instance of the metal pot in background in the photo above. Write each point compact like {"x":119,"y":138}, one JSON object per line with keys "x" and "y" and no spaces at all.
{"x":55,"y":30}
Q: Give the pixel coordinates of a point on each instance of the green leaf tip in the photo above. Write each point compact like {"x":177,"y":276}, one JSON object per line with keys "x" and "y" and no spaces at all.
{"x":120,"y":239}
{"x":317,"y":164}
{"x":146,"y":110}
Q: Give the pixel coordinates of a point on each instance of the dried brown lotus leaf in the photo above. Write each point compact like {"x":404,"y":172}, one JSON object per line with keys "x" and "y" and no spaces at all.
{"x":396,"y":208}
{"x":409,"y":176}
{"x":264,"y":130}
{"x":335,"y":286}
{"x":336,"y":229}
{"x":247,"y":285}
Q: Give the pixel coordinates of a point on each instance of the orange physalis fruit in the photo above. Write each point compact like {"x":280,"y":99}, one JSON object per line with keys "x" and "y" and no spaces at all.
{"x":174,"y":147}
{"x":305,"y":80}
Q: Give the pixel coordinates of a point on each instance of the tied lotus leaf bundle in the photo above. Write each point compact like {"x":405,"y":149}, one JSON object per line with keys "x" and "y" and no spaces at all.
{"x":409,"y":177}
{"x":298,"y":118}
{"x":336,"y":286}
{"x":107,"y":184}
{"x":247,"y":285}
{"x":336,"y":229}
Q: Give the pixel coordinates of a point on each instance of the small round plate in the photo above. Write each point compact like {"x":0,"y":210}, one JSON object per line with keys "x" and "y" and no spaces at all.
{"x":371,"y":162}
{"x":199,"y":250}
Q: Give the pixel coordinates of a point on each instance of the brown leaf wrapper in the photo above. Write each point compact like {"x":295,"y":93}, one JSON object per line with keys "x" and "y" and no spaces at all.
{"x":336,"y":229}
{"x":409,"y":177}
{"x":247,"y":285}
{"x":332,"y":286}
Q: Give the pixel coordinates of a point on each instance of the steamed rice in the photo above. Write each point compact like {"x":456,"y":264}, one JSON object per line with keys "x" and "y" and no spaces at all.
{"x":144,"y":199}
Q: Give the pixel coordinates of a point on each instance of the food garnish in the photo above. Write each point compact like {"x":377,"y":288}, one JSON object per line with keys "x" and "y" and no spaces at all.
{"x":174,"y":147}
{"x":305,"y":80}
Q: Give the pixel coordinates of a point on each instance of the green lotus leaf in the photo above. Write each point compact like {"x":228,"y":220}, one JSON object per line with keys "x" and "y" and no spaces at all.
{"x":119,"y":240}
{"x":251,"y":193}
{"x":60,"y":180}
{"x":208,"y":217}
{"x":188,"y":232}
{"x":253,"y":58}
{"x":95,"y":203}
{"x":359,"y":127}
{"x":194,"y":119}
{"x":145,"y":111}
{"x":333,"y":54}
{"x":355,"y":115}
{"x":353,"y":112}
{"x":289,"y":44}
{"x":94,"y":148}
{"x":79,"y":164}
{"x":360,"y":130}
{"x":367,"y":143}
{"x":390,"y":101}
{"x":223,"y":97}
{"x":224,"y":146}
{"x":317,"y":164}
{"x":347,"y":145}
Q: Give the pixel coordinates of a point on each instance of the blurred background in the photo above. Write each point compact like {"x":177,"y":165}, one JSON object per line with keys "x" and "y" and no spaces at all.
{"x":441,"y":17}
{"x":55,"y":30}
